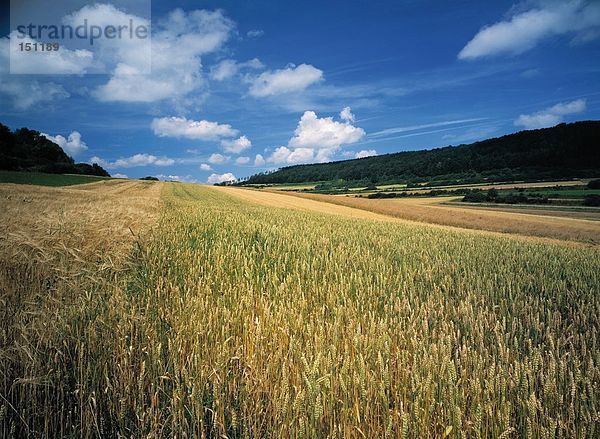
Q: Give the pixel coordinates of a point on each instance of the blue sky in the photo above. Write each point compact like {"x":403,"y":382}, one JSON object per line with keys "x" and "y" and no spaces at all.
{"x":237,"y":88}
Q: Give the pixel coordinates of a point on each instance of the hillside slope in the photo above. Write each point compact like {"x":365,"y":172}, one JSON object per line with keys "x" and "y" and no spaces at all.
{"x":566,"y":150}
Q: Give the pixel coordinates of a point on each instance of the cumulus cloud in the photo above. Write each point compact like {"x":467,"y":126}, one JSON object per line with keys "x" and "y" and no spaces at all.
{"x":205,"y":167}
{"x":236,"y":146}
{"x":259,"y":160}
{"x":72,"y":145}
{"x":324,"y":133}
{"x":525,"y":30}
{"x":24,"y":93}
{"x":552,"y":115}
{"x":178,"y":44}
{"x":191,"y":129}
{"x":242,"y":160}
{"x":55,"y":62}
{"x":346,"y":114}
{"x":224,"y":70}
{"x":220,"y":178}
{"x":365,"y":153}
{"x":111,"y":51}
{"x":119,"y":175}
{"x":179,"y":178}
{"x":283,"y":154}
{"x":135,"y":160}
{"x":316,"y":140}
{"x":228,"y":68}
{"x":217,"y":159}
{"x":287,"y":80}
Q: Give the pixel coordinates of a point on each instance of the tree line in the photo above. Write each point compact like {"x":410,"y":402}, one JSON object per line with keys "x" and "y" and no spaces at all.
{"x":566,"y":150}
{"x":29,"y":151}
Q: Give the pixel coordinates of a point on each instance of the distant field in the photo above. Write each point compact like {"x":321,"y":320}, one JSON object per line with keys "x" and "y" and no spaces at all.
{"x":40,"y":179}
{"x":296,"y":187}
{"x":415,"y":190}
{"x":286,"y":186}
{"x":144,"y":309}
{"x":580,"y":212}
{"x":559,"y":192}
{"x":485,"y":186}
{"x":558,"y":224}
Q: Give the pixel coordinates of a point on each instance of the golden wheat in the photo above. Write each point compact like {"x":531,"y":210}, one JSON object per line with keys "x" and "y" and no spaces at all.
{"x":579,"y":226}
{"x":237,"y":320}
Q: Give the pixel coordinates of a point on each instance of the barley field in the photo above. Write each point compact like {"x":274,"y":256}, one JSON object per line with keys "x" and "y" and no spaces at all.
{"x":174,"y":310}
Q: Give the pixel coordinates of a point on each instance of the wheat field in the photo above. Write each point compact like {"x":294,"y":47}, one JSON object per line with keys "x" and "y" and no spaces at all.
{"x":582,"y":227}
{"x":216,"y":316}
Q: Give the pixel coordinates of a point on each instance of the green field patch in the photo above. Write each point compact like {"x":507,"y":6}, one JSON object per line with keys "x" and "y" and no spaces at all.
{"x":39,"y":179}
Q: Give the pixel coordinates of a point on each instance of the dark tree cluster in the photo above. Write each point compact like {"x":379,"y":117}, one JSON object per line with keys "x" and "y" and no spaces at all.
{"x":493,"y":196}
{"x":566,"y":150}
{"x":27,"y":150}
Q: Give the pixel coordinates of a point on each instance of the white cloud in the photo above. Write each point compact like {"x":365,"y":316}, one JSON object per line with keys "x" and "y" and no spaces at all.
{"x":217,"y":159}
{"x":316,"y":140}
{"x":73,"y":145}
{"x":525,"y":30}
{"x":471,"y":134}
{"x":236,"y":146}
{"x":285,"y":155}
{"x":205,"y":167}
{"x":365,"y":153}
{"x":117,"y":56}
{"x":228,"y":68}
{"x":191,"y":129}
{"x":280,"y":155}
{"x":290,"y":79}
{"x":324,"y":133}
{"x":552,"y":115}
{"x":396,"y":130}
{"x":118,"y":175}
{"x":303,"y":155}
{"x":255,"y":33}
{"x":346,"y":115}
{"x":253,"y":63}
{"x":179,"y":178}
{"x":25,"y":93}
{"x":54,"y":62}
{"x":259,"y":160}
{"x":220,"y":178}
{"x":242,"y":160}
{"x":177,"y":47}
{"x":224,"y":70}
{"x":134,"y":161}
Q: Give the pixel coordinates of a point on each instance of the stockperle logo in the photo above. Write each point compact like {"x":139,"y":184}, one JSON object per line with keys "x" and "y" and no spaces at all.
{"x":80,"y":37}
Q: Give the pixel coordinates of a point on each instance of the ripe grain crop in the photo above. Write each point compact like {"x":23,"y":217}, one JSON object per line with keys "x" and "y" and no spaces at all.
{"x":433,"y":210}
{"x":235,"y":319}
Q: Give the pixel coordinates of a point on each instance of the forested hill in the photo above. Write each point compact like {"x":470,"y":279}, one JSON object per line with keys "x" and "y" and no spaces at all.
{"x":29,"y":151}
{"x":566,"y":150}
